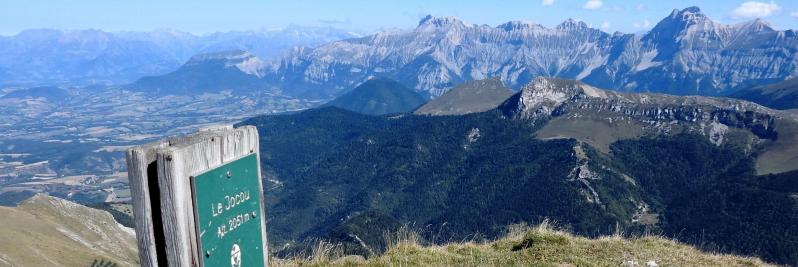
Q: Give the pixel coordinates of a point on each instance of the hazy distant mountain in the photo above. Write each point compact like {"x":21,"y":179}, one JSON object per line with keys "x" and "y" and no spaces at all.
{"x":783,"y":95}
{"x":379,"y":96}
{"x":47,"y":56}
{"x":236,"y":71}
{"x":469,"y":97}
{"x":51,"y":93}
{"x":685,"y":53}
{"x":271,"y":43}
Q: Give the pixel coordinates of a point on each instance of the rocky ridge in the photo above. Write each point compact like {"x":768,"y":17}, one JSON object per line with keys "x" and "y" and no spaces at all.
{"x":574,"y":109}
{"x":685,"y":53}
{"x":47,"y":231}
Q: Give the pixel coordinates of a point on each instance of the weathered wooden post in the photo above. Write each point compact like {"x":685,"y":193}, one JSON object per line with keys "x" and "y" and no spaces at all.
{"x":198,"y":199}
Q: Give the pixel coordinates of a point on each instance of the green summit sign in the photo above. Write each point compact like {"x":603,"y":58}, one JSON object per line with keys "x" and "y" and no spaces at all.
{"x":228,"y":208}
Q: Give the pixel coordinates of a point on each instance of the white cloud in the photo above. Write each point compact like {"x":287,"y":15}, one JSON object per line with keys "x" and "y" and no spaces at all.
{"x":606,"y":26}
{"x":593,"y":4}
{"x":754,"y":9}
{"x":794,"y":14}
{"x":640,"y":7}
{"x":547,"y":2}
{"x":645,"y":24}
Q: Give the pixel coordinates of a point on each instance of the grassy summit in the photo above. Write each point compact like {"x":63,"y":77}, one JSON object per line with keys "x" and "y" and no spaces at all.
{"x":525,"y":246}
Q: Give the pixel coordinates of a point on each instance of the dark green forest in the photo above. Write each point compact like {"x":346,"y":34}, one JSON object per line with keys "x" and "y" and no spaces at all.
{"x":335,"y":174}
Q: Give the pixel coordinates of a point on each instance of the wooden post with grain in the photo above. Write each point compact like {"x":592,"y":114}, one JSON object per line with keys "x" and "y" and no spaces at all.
{"x":159,"y":174}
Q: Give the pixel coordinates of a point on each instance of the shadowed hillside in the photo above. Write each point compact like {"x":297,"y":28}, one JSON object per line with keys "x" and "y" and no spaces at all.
{"x":469,"y":97}
{"x":379,"y":96}
{"x":687,"y":167}
{"x":783,"y":95}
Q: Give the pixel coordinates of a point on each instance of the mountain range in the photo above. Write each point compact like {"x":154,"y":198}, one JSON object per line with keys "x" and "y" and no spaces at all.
{"x":715,"y":172}
{"x":685,"y":53}
{"x":79,"y":57}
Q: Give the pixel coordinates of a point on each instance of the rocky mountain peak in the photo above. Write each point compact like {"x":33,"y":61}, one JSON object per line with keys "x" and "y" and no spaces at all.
{"x":690,"y":14}
{"x":572,"y":25}
{"x":688,"y":10}
{"x":686,"y":53}
{"x":436,"y":22}
{"x":517,"y":25}
{"x":685,"y":18}
{"x":686,"y":28}
{"x":543,"y":95}
{"x":756,"y":25}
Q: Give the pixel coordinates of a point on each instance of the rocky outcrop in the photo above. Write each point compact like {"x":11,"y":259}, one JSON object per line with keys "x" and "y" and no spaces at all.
{"x":572,"y":109}
{"x":551,"y":97}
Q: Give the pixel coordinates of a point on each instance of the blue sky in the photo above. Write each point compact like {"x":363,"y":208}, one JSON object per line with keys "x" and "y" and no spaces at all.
{"x":200,"y":16}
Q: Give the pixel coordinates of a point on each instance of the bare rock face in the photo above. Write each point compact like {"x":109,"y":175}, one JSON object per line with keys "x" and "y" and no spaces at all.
{"x":685,"y":54}
{"x":48,"y":231}
{"x":556,"y":97}
{"x":599,"y":117}
{"x":543,"y":96}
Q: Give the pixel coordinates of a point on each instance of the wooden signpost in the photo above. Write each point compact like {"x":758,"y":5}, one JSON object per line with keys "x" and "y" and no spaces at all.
{"x":198,"y":200}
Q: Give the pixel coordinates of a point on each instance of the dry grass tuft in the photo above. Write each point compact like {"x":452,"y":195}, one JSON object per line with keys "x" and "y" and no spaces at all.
{"x":405,"y":236}
{"x":324,"y":251}
{"x":524,"y":245}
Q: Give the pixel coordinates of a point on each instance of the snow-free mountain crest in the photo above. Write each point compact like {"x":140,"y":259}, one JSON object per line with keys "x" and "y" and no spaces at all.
{"x":685,"y":53}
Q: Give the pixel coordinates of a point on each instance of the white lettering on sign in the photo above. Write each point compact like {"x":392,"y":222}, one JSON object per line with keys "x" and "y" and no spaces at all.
{"x":233,"y":223}
{"x":229,"y":202}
